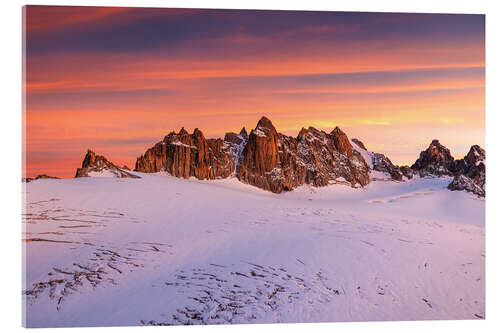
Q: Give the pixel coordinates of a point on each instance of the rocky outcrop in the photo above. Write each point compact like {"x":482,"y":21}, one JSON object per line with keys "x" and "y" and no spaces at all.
{"x":464,"y":183}
{"x":277,"y":162}
{"x":435,"y":161}
{"x":468,"y":165}
{"x":380,"y":162}
{"x":359,"y":143}
{"x":187,"y":155}
{"x":407,"y":171}
{"x":260,"y":160}
{"x":97,"y":165}
{"x":263,"y":158}
{"x":471,"y":172}
{"x":42,"y":176}
{"x":383,"y":164}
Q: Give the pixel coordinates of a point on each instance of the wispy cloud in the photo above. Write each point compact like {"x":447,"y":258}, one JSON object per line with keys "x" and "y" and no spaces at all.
{"x":119,"y":79}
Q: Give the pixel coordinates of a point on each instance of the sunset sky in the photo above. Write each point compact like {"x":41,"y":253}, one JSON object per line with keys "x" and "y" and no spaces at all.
{"x":117,"y":80}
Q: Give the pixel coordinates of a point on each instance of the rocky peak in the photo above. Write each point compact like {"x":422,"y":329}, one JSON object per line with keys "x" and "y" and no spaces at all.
{"x":97,"y":165}
{"x":277,"y":162}
{"x":44,"y":176}
{"x":188,"y":155}
{"x":302,"y":133}
{"x":264,"y":122}
{"x":383,"y":164}
{"x":471,"y":161}
{"x":438,"y":152}
{"x":475,"y":155}
{"x":359,"y":143}
{"x":435,"y":160}
{"x":470,"y":172}
{"x":41,"y":176}
{"x":464,"y":183}
{"x":198,"y":134}
{"x":89,"y":159}
{"x":264,"y":128}
{"x":311,"y":134}
{"x":341,"y":142}
{"x":380,"y":162}
{"x":263,"y":158}
{"x":260,"y":156}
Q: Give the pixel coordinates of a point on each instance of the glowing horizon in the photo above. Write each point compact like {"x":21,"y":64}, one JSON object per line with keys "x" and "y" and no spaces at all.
{"x":117,"y":80}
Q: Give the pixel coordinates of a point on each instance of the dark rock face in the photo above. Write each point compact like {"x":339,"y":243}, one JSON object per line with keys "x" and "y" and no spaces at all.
{"x":277,"y":162}
{"x":471,"y":172}
{"x":407,"y":171}
{"x":435,"y":161}
{"x":479,"y":175}
{"x":259,"y":160}
{"x":244,"y":133}
{"x":42,"y":176}
{"x":187,"y":155}
{"x":384,"y":164}
{"x":464,"y":183}
{"x":263,"y":158}
{"x":359,"y":143}
{"x":470,"y":162}
{"x":97,"y":163}
{"x":341,"y":142}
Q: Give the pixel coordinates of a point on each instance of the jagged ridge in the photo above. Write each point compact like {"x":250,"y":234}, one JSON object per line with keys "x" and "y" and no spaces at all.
{"x":276,"y":162}
{"x":98,"y":164}
{"x":263,"y":158}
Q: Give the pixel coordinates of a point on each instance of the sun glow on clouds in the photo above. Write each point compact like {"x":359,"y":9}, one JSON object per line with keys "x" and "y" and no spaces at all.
{"x":118,"y":79}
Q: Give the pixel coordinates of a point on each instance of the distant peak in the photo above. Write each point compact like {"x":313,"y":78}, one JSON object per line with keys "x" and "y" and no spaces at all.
{"x":359,"y":143}
{"x":243,"y":132}
{"x":197,"y":133}
{"x":337,"y":131}
{"x":302,"y":133}
{"x":89,"y":158}
{"x":476,"y":148}
{"x":476,"y":153}
{"x":265,"y":122}
{"x":183,"y":131}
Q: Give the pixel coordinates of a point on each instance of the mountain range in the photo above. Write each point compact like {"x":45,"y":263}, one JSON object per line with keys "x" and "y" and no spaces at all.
{"x":276,"y":162}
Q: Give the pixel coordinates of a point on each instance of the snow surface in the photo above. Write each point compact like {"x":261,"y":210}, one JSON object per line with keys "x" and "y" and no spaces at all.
{"x":178,"y":143}
{"x":161,"y":250}
{"x":103,"y":173}
{"x":259,"y":132}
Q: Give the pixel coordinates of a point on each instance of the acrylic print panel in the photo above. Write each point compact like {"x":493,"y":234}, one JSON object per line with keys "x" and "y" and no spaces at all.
{"x":196,"y":166}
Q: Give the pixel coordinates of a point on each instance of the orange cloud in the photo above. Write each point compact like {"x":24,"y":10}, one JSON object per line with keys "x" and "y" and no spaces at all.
{"x":120,"y":102}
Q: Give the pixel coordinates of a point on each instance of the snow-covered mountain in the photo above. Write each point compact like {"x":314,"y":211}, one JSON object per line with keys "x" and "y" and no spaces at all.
{"x":264,"y":158}
{"x":436,"y":161}
{"x":98,"y":166}
{"x":276,"y":162}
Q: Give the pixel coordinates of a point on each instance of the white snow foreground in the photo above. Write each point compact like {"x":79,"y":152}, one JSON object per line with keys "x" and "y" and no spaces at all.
{"x":166,"y":251}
